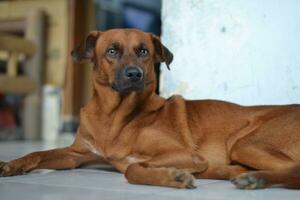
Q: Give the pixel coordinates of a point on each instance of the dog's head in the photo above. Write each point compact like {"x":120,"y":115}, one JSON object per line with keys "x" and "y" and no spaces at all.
{"x":124,"y":58}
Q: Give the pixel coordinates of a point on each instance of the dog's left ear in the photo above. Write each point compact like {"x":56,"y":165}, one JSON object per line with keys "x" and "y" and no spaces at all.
{"x":163,"y":54}
{"x":85,"y":51}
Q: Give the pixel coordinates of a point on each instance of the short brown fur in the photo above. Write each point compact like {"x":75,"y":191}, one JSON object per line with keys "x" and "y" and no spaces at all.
{"x":169,"y":142}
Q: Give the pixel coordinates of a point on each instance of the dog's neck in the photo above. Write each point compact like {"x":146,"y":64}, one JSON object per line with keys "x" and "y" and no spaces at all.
{"x":121,"y":108}
{"x":110,"y":101}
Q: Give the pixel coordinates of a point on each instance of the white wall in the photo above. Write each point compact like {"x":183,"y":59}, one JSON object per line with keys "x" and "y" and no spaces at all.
{"x":246,"y":52}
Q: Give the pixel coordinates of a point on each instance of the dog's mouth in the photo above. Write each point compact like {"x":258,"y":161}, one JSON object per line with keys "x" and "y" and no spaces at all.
{"x":128,"y":87}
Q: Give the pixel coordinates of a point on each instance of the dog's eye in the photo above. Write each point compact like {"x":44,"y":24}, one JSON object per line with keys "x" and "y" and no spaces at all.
{"x":112,"y":52}
{"x":143,"y":52}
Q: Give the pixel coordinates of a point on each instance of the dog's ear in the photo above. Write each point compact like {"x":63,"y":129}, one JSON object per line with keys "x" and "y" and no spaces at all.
{"x":163,"y":54}
{"x":85,"y":51}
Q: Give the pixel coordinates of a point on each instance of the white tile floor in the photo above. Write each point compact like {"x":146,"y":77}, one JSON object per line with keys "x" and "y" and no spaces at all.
{"x":105,"y":184}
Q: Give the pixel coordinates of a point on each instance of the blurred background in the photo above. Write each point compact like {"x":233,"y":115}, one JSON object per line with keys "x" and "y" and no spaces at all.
{"x":241,"y":51}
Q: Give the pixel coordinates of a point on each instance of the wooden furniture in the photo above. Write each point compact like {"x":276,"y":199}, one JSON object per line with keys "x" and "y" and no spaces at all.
{"x":32,"y":48}
{"x":68,"y":22}
{"x":11,"y":82}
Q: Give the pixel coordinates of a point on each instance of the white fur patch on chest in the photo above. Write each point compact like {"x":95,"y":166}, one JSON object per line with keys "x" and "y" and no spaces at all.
{"x":93,"y":148}
{"x":132,"y":159}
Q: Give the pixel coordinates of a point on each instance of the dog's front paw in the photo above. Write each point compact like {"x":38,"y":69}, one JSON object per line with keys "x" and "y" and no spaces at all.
{"x":7,"y":169}
{"x":182,"y":179}
{"x":2,"y":164}
{"x":248,"y":181}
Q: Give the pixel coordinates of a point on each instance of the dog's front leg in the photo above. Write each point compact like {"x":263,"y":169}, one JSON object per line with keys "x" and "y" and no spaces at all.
{"x":62,"y":158}
{"x":172,"y":169}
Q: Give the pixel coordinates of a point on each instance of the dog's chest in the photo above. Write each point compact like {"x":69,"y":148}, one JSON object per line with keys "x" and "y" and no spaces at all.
{"x":105,"y":139}
{"x":153,"y":141}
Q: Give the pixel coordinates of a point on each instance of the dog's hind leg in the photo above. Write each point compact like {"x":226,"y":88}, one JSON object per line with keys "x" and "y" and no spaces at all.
{"x":173,"y":169}
{"x":288,"y":178}
{"x":272,"y":167}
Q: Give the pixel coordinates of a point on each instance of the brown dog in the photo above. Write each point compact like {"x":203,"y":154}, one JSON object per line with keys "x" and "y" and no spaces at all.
{"x":168,"y":142}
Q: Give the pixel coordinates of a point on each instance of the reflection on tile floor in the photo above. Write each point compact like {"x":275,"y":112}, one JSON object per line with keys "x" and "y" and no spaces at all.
{"x":106,"y":184}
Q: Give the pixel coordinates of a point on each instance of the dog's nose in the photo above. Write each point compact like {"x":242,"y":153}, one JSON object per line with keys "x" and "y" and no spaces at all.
{"x":134,"y":73}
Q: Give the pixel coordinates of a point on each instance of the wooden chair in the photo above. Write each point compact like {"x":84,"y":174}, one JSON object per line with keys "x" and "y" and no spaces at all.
{"x":11,"y":82}
{"x":32,"y":49}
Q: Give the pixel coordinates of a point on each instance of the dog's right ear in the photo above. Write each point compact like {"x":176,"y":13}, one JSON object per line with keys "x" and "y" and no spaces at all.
{"x":85,"y":51}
